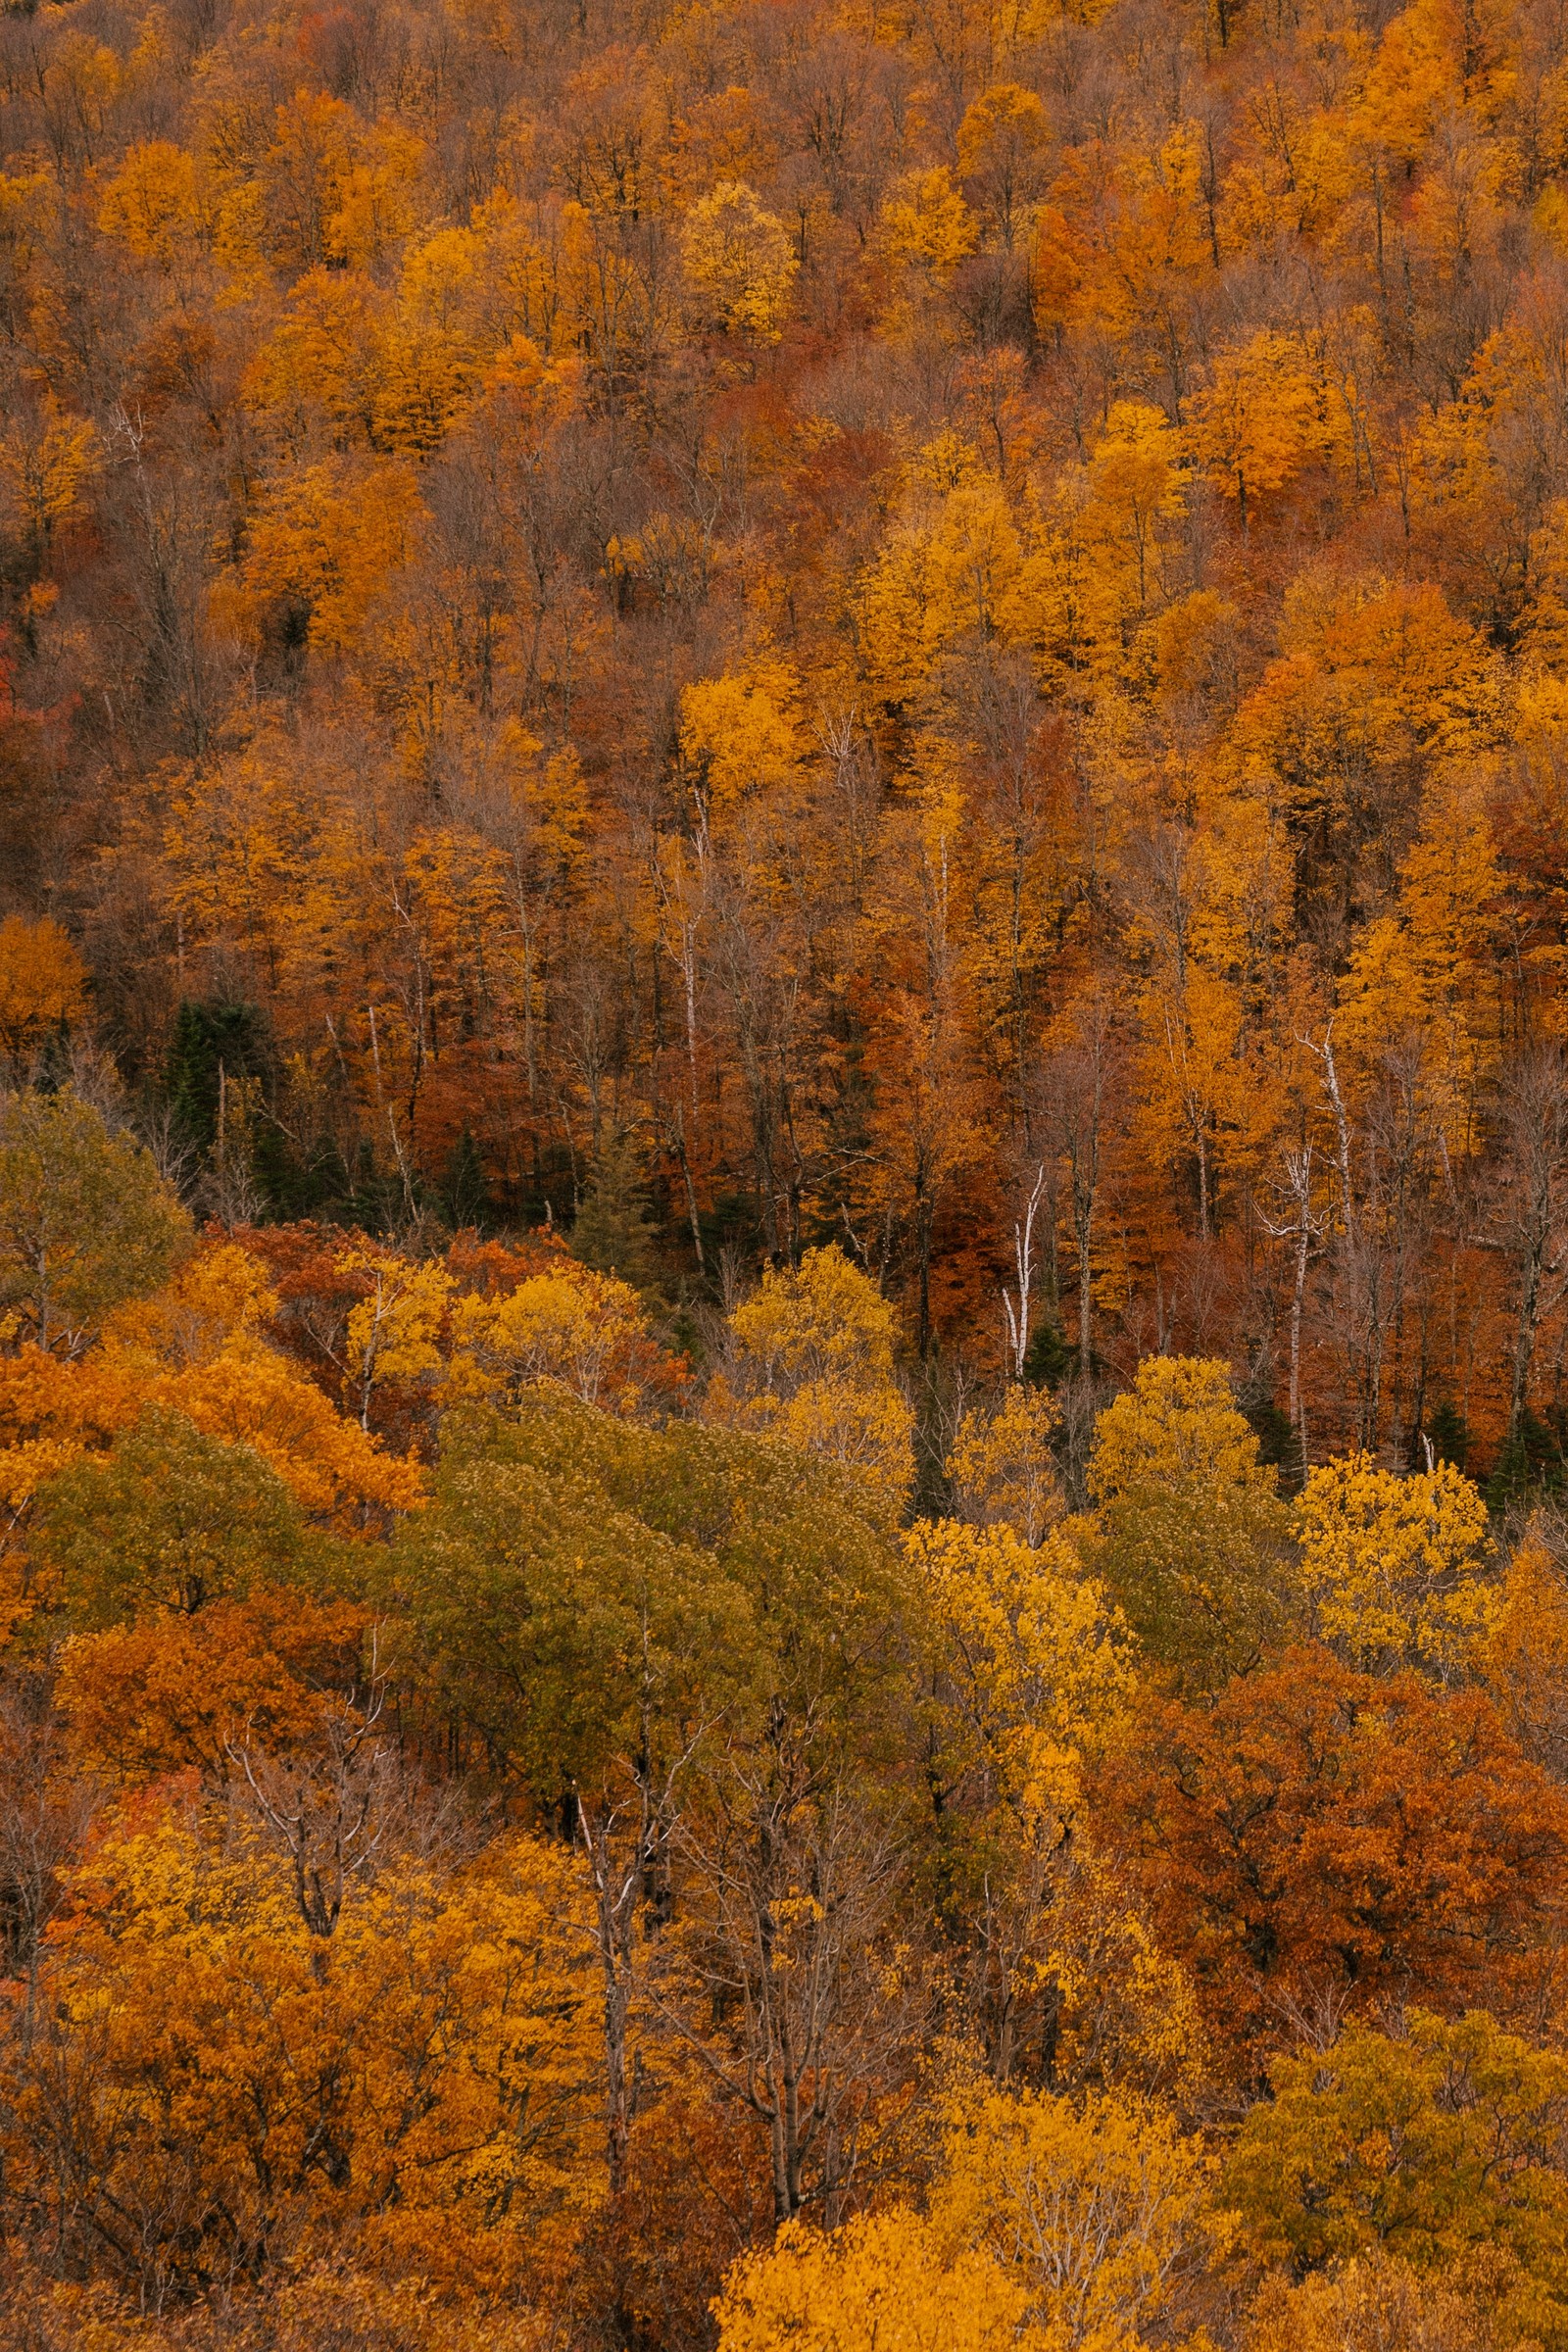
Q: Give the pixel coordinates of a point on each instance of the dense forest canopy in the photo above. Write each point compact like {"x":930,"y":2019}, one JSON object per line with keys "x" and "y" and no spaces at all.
{"x":783,"y":1176}
{"x":939,"y":628}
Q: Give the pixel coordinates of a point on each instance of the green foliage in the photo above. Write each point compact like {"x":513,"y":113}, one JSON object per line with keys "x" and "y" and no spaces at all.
{"x":583,"y":1587}
{"x":614,"y":1231}
{"x":464,"y":1191}
{"x":86,"y":1221}
{"x":806,"y":1542}
{"x":1450,"y":1432}
{"x":1050,"y":1358}
{"x":1190,"y":1536}
{"x":170,"y":1519}
{"x":1530,"y":1463}
{"x":1279,"y":1443}
{"x":560,"y":1628}
{"x":1443,"y":2146}
{"x":213,"y":1045}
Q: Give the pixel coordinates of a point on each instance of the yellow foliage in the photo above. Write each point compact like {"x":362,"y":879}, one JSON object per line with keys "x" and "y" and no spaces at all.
{"x":885,"y":2282}
{"x":869,"y":1430}
{"x":45,"y":463}
{"x":1426,"y":968}
{"x":926,"y":228}
{"x":1129,"y":2011}
{"x":950,"y":570}
{"x":1093,"y":2207}
{"x":1396,"y":1565}
{"x":1005,"y":116}
{"x":1051,"y":2228}
{"x":1410,"y":81}
{"x":322,"y":358}
{"x":425,"y":2072}
{"x":586,"y":1329}
{"x":739,"y":733}
{"x":823,"y":1319}
{"x":531,"y":389}
{"x":1003,"y":1466}
{"x":426,"y":378}
{"x":1002,"y":143}
{"x":219,"y":1300}
{"x":739,"y":261}
{"x":816,"y":1367}
{"x":328,"y":541}
{"x":1190,"y":1532}
{"x":1372,"y":2304}
{"x":1263,"y":417}
{"x":1177,"y":1425}
{"x":42,"y":983}
{"x":377,"y":197}
{"x":1525,"y":1653}
{"x":394,"y":1330}
{"x":152,"y":203}
{"x":1136,"y":481}
{"x":1035,"y":1671}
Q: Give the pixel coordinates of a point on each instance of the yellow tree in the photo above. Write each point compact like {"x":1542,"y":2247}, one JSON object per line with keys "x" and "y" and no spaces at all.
{"x":815,"y":1367}
{"x":47,"y":459}
{"x":739,"y":736}
{"x":418,"y":2067}
{"x":42,"y":987}
{"x":885,"y":2282}
{"x":1053,"y":2227}
{"x":1033,"y":1665}
{"x":1003,"y":141}
{"x":586,"y":1329}
{"x":1002,"y":1464}
{"x":1260,"y":421}
{"x":1028,"y":1674}
{"x":1397,"y":1567}
{"x":740,"y":263}
{"x":1137,"y":481}
{"x":394,"y":1329}
{"x":925,"y":231}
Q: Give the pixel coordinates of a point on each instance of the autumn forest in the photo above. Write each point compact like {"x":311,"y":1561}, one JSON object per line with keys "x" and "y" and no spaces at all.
{"x":784,"y":1176}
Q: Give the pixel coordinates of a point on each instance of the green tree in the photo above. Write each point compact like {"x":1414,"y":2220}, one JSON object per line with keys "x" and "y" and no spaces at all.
{"x":1190,"y":1534}
{"x":213,"y":1045}
{"x":614,"y":1231}
{"x":85,"y":1220}
{"x":1442,"y":2147}
{"x":549,"y":1618}
{"x":580,"y":1580}
{"x":171,"y":1519}
{"x":683,"y":1639}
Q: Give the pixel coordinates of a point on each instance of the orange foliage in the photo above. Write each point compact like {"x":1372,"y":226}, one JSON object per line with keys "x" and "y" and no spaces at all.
{"x":1321,"y":1842}
{"x":171,"y":1693}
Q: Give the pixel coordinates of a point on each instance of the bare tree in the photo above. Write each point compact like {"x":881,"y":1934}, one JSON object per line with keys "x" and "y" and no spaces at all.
{"x":1300,"y":1224}
{"x":1531,"y":1223}
{"x":625,"y":1836}
{"x":339,"y":1803}
{"x":811,"y":2015}
{"x":1016,"y":1303}
{"x":45,"y":1809}
{"x":1078,"y":1078}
